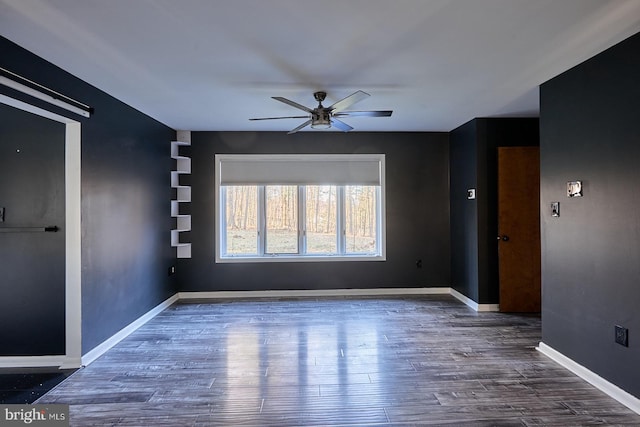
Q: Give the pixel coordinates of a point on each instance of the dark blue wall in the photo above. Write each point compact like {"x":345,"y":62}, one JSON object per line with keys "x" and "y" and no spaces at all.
{"x":474,"y":223}
{"x":464,"y":212}
{"x":417,"y":213}
{"x":590,"y":131}
{"x":125,"y":200}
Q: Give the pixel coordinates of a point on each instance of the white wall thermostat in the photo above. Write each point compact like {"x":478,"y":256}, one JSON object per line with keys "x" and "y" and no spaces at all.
{"x":574,"y":189}
{"x":471,"y":193}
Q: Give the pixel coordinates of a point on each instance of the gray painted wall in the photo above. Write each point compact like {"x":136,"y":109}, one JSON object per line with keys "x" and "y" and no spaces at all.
{"x":590,"y":131}
{"x":417,"y":205}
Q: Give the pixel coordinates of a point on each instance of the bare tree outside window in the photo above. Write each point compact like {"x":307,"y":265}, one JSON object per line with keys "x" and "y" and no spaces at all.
{"x":242,"y":219}
{"x":360,"y":218}
{"x":282,"y":219}
{"x":321,"y":221}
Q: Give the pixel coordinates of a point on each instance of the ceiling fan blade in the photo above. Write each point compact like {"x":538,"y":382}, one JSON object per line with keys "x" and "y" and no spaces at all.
{"x":348,"y":101}
{"x":340,"y":125}
{"x":305,"y":124}
{"x":275,"y":118}
{"x":293,"y":104}
{"x":385,"y":113}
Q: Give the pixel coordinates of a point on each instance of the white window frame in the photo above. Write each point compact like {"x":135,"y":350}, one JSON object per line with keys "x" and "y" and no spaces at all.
{"x":220,"y":226}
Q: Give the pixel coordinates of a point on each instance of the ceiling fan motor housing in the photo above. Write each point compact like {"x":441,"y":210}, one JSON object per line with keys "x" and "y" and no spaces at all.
{"x":320,"y":119}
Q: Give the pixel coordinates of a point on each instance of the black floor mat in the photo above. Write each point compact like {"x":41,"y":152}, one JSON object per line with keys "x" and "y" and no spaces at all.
{"x":25,"y":385}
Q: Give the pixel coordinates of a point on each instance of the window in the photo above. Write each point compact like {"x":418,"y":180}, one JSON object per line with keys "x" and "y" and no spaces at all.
{"x":321,"y":219}
{"x":281,"y":217}
{"x":241,"y":220}
{"x":274,"y":208}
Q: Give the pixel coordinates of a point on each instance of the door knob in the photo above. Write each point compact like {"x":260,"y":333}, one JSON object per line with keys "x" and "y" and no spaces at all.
{"x":503,"y":238}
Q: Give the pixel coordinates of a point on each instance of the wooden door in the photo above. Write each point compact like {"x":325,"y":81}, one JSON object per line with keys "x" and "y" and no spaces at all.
{"x":519,"y":228}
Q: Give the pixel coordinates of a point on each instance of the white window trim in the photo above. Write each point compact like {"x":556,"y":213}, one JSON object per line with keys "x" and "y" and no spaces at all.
{"x":219,"y":219}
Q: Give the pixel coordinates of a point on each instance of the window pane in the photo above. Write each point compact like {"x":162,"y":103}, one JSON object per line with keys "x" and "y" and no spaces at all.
{"x":241,"y":220}
{"x":360,"y":218}
{"x":321,"y":224}
{"x":282,"y":219}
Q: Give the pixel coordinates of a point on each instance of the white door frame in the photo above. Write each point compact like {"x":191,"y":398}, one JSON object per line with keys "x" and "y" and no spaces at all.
{"x":73,"y":246}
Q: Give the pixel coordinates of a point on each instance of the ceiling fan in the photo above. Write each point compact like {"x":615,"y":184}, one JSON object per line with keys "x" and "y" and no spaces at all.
{"x":325,"y":117}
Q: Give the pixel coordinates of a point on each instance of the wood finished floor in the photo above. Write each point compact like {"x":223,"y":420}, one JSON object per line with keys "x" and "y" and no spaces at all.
{"x":329,"y":362}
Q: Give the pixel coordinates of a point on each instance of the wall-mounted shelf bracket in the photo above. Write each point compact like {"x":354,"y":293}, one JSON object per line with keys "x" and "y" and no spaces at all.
{"x":182,"y":195}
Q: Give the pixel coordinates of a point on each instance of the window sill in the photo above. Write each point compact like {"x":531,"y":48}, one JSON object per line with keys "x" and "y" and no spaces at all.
{"x":307,"y":258}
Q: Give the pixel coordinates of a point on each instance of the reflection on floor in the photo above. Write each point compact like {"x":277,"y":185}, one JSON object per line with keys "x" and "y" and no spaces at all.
{"x":329,"y":362}
{"x":25,"y":385}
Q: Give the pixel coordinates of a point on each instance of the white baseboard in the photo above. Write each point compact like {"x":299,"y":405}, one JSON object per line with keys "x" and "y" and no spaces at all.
{"x":441,"y":290}
{"x":313,"y":293}
{"x":471,"y":303}
{"x":71,"y":363}
{"x":33,"y":361}
{"x":126,"y":331}
{"x":592,"y":378}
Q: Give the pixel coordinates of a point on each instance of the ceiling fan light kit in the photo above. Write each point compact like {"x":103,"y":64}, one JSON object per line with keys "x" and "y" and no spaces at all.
{"x":323,"y":117}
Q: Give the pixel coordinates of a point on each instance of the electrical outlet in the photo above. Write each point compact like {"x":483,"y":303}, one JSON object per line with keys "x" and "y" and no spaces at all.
{"x":622,"y":336}
{"x":1,"y":214}
{"x":172,"y":270}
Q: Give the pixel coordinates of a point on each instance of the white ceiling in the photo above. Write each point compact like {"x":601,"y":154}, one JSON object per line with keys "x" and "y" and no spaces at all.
{"x":211,"y":65}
